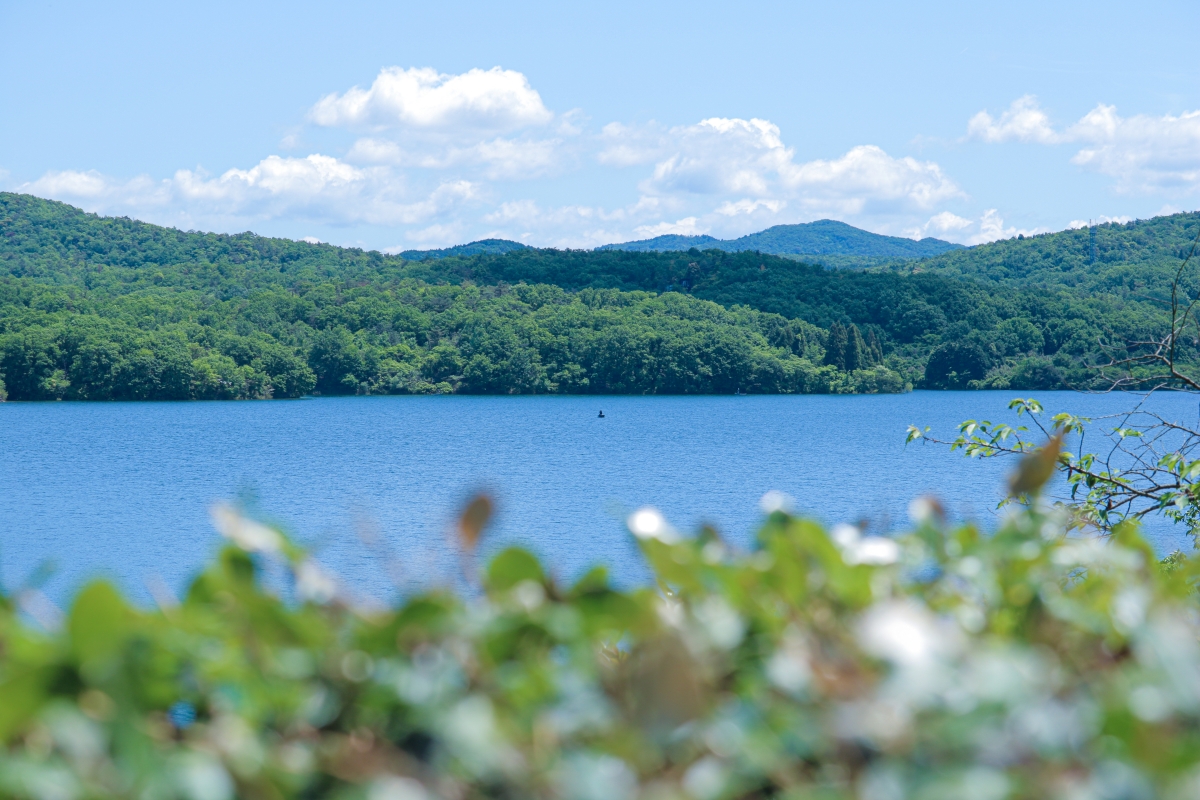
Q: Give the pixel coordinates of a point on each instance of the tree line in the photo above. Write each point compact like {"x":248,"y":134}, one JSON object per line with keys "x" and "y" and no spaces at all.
{"x":102,"y":307}
{"x":413,"y":338}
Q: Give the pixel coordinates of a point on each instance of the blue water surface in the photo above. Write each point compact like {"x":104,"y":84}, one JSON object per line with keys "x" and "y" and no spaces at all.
{"x":372,"y":484}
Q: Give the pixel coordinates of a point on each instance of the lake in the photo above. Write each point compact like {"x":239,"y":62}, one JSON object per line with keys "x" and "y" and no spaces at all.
{"x":373,"y":483}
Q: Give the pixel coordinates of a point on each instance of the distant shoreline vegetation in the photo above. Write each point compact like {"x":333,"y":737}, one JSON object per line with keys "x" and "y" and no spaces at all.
{"x":95,"y":308}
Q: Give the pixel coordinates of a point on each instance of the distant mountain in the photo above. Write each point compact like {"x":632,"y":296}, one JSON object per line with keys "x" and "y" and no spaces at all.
{"x":824,"y":237}
{"x":668,"y":243}
{"x":491,"y":246}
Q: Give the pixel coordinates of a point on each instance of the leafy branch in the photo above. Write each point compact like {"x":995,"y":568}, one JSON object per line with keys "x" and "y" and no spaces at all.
{"x":1148,"y":464}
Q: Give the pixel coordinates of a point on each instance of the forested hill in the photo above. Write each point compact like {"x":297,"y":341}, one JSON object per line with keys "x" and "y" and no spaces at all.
{"x":824,"y":237}
{"x":1101,"y":257}
{"x":469,"y":249}
{"x":94,"y":307}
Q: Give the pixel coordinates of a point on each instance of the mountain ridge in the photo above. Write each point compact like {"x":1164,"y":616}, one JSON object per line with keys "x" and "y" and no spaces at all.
{"x":490,"y":246}
{"x":827,"y":238}
{"x":824,"y":237}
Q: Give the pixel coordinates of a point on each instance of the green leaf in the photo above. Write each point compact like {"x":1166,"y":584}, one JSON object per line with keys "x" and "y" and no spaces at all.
{"x":512,"y":566}
{"x":20,"y":697}
{"x":99,"y":623}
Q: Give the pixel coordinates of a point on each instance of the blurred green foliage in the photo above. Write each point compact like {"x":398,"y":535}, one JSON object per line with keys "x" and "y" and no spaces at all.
{"x":944,"y":663}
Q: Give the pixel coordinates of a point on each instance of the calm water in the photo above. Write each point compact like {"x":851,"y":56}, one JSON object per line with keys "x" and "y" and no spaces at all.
{"x":122,"y":489}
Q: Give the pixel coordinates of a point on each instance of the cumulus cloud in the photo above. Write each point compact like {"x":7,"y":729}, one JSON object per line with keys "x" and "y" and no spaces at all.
{"x":1024,"y":121}
{"x":439,"y":156}
{"x":987,"y":228}
{"x":316,"y":187}
{"x":747,"y":159}
{"x":632,"y":145}
{"x":582,"y":225}
{"x":481,"y":125}
{"x":867,"y":174}
{"x":496,"y":159}
{"x":944,"y":223}
{"x":1143,"y":153}
{"x":747,"y":207}
{"x":1103,"y":219}
{"x":722,"y":156}
{"x":992,"y":227}
{"x":421,"y":97}
{"x":688,"y":226}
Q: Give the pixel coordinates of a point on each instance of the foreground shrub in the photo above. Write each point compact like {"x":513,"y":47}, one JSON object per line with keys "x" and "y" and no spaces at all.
{"x":944,"y":663}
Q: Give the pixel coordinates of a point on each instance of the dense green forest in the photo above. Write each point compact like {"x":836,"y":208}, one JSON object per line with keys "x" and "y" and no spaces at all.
{"x":97,"y":308}
{"x":94,"y":308}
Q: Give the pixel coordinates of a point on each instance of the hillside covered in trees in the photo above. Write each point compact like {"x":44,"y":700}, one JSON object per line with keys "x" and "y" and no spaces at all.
{"x":98,"y":308}
{"x":94,"y":308}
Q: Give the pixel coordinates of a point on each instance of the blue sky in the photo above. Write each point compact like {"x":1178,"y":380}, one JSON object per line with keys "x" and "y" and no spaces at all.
{"x":401,"y":125}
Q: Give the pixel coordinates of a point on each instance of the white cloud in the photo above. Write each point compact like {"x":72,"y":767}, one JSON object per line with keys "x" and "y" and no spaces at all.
{"x":434,"y":155}
{"x":95,"y":190}
{"x":951,"y":227}
{"x":991,"y":227}
{"x":495,"y":159}
{"x":631,"y":145}
{"x":513,"y":211}
{"x":421,"y":97}
{"x":380,"y":151}
{"x":688,"y":226}
{"x":1143,"y":153}
{"x":577,"y":225}
{"x":1024,"y":121}
{"x":513,"y":158}
{"x":291,"y":177}
{"x":943,"y":223}
{"x":867,"y":174}
{"x":315,"y":187}
{"x":438,"y":235}
{"x":748,"y":163}
{"x":747,"y":207}
{"x":1103,"y":219}
{"x":722,"y":156}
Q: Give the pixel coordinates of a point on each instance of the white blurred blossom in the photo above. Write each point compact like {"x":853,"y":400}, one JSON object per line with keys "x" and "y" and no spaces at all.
{"x":202,"y":777}
{"x":588,"y":776}
{"x":251,"y":536}
{"x":393,"y":787}
{"x":649,"y":523}
{"x":788,"y":668}
{"x":314,"y":583}
{"x":859,"y":549}
{"x":705,"y":779}
{"x":775,"y":500}
{"x":721,"y":622}
{"x":906,"y":633}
